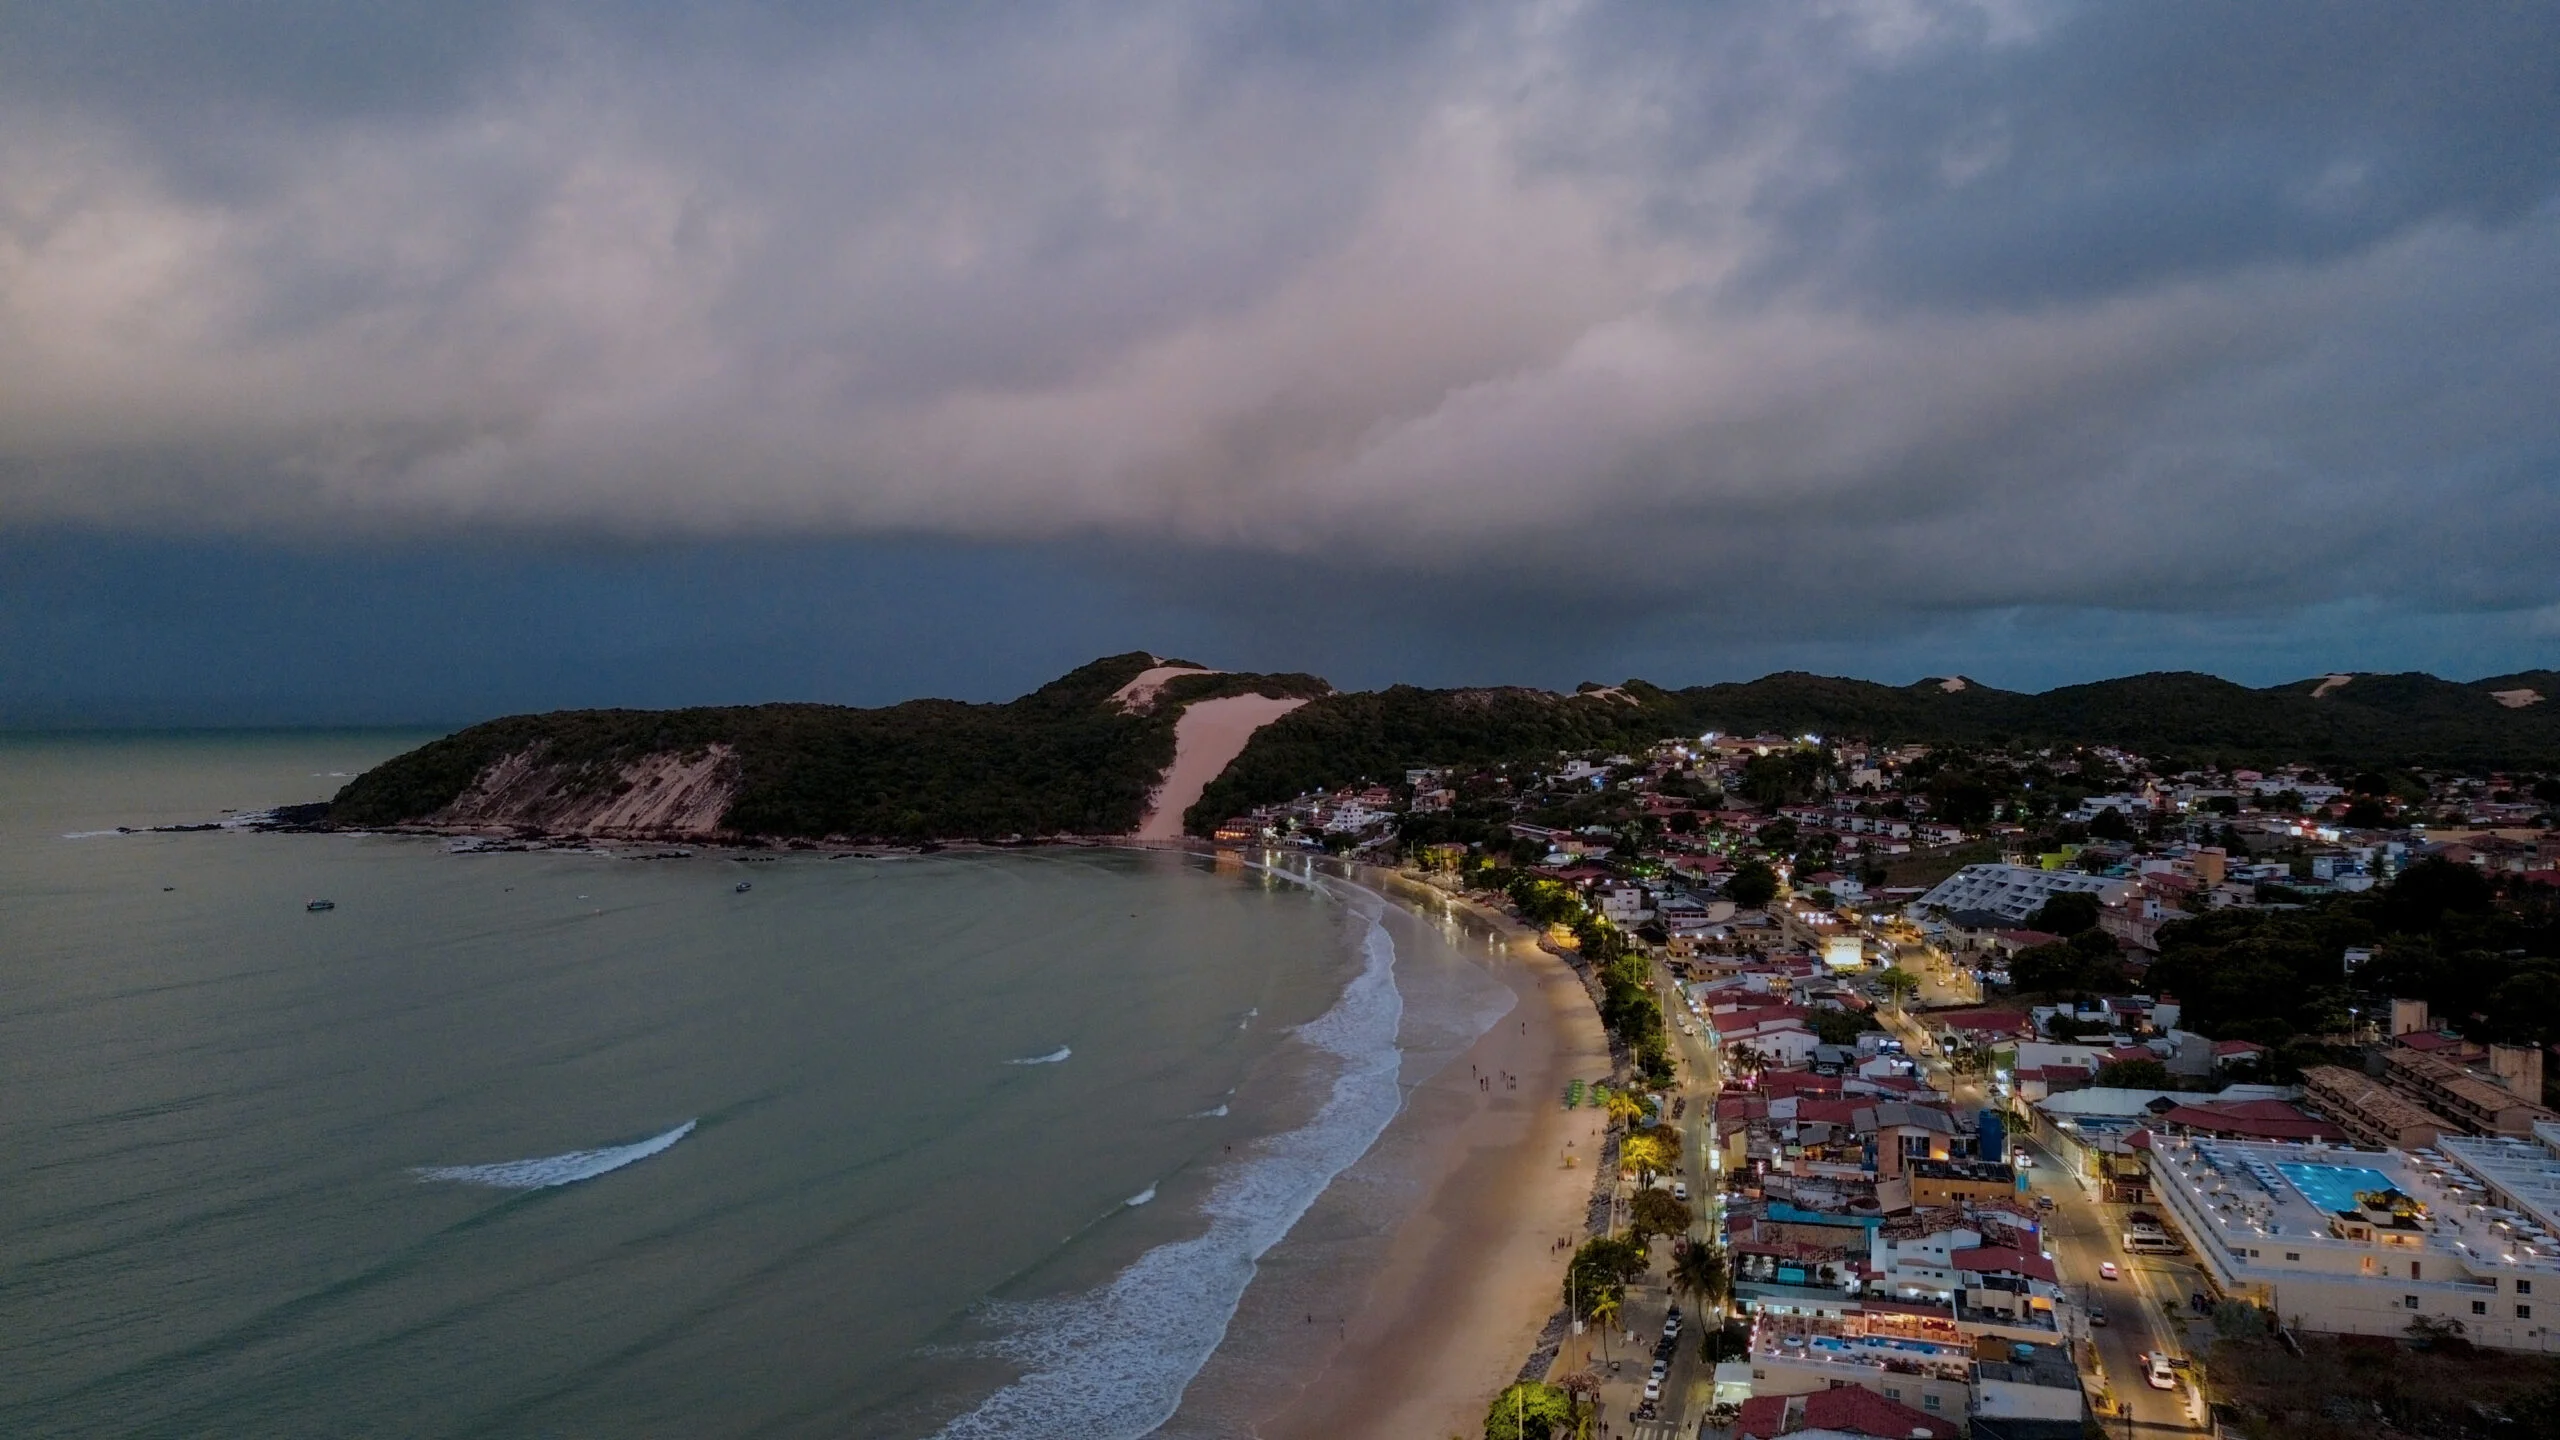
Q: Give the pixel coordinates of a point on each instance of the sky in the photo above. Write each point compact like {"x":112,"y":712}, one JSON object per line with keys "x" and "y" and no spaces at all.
{"x":383,"y":362}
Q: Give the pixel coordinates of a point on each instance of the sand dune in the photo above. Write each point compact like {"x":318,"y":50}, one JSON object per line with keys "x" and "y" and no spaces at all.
{"x":1206,"y":739}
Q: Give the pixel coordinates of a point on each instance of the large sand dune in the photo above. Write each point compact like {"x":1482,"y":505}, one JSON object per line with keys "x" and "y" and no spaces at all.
{"x":1206,"y":740}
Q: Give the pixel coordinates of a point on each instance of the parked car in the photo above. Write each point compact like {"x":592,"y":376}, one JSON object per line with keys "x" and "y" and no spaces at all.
{"x":2157,"y":1371}
{"x":2097,"y":1314}
{"x":1680,"y":1190}
{"x":1653,"y":1388}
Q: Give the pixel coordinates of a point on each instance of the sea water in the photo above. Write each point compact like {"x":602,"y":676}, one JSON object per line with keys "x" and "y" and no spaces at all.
{"x":585,"y":1143}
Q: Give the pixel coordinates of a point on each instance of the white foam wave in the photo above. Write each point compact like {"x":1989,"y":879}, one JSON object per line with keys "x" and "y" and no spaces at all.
{"x":1114,"y":1362}
{"x":1142,"y":1197}
{"x":549,"y":1170}
{"x":88,"y":834}
{"x":1054,"y":1057}
{"x":1209,"y":1114}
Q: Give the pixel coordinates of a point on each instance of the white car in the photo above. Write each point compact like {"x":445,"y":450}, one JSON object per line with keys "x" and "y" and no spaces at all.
{"x":1679,"y":1189}
{"x":1653,"y":1388}
{"x":2107,"y":1270}
{"x":2156,"y":1371}
{"x":1661,"y":1368}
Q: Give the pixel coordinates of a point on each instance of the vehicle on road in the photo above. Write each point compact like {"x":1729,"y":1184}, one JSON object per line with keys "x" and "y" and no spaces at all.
{"x":2097,"y":1314}
{"x":1653,"y":1388}
{"x":2107,"y":1270}
{"x":1679,"y":1189}
{"x":2044,"y":1202}
{"x":2138,"y":1243}
{"x":2157,"y":1372}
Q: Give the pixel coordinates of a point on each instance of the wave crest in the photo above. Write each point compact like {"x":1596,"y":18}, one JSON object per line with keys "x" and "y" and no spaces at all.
{"x":545,"y":1171}
{"x":1054,"y":1057}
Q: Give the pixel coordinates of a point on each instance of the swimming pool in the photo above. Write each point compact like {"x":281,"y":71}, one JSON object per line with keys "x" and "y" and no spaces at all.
{"x":2333,"y":1187}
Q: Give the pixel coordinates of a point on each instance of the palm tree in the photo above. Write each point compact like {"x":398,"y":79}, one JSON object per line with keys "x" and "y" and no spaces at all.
{"x":1624,"y":1108}
{"x":1645,"y":1155}
{"x":1698,"y":1271}
{"x":1604,"y":1309}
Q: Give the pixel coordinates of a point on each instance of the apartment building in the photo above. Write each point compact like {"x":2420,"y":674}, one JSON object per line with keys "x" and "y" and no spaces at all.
{"x":2371,"y":1112}
{"x":2363,"y":1242}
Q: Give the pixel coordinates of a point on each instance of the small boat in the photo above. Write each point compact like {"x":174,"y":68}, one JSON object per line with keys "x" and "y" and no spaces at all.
{"x":318,"y":905}
{"x":745,"y":885}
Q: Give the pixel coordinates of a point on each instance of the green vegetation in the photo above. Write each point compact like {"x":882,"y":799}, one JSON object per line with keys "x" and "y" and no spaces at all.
{"x":1600,"y":1272}
{"x":2374,"y":722}
{"x":1530,"y":1410}
{"x":2440,"y":932}
{"x":1752,"y":885}
{"x":1059,"y":760}
{"x":1659,"y":1212}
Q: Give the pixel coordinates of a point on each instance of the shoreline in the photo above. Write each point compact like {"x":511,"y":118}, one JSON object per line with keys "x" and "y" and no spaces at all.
{"x":1469,"y":1282}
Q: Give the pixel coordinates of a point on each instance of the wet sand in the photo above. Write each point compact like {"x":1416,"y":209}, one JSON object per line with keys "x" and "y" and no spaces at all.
{"x":1472,"y":1273}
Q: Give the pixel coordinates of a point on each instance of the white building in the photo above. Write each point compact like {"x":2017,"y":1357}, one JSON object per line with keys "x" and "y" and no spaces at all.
{"x":2015,"y":892}
{"x":2464,"y":1233}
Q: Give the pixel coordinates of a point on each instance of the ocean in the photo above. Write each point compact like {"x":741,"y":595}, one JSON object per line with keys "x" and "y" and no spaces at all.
{"x":558,"y":1143}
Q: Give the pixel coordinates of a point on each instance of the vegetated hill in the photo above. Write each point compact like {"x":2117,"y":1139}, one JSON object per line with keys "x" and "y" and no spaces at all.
{"x":1067,"y":759}
{"x":1064,"y":759}
{"x":2377,"y":720}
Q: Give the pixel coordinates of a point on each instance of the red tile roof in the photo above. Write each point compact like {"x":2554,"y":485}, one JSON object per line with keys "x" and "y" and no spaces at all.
{"x":2251,"y":1120}
{"x":1861,"y":1411}
{"x":1764,"y":1417}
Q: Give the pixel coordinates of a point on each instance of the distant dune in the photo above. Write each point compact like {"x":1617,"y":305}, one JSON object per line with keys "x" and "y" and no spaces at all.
{"x":1206,"y":740}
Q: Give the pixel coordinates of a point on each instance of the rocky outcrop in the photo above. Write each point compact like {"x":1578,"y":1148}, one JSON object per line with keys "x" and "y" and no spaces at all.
{"x":657,"y":797}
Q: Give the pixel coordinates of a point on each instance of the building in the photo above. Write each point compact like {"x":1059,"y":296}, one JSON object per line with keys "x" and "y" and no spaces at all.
{"x":2371,"y":1112}
{"x":2476,"y":1102}
{"x":2362,"y":1242}
{"x":2015,"y":892}
{"x":1842,"y":1410}
{"x":2029,"y":1392}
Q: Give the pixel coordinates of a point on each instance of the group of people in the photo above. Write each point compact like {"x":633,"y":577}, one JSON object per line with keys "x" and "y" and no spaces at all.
{"x":1485,"y":1082}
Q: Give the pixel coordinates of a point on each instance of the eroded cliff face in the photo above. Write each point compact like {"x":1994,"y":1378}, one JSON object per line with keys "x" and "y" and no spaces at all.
{"x":664,"y":796}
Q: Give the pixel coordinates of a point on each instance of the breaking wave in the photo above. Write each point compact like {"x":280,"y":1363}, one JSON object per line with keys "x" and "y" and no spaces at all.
{"x":1142,"y":1197}
{"x":1113,"y":1362}
{"x":549,"y":1170}
{"x":1054,"y":1057}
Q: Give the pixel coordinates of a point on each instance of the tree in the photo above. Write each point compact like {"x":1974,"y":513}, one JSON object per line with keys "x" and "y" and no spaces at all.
{"x":1604,"y":1314}
{"x":1659,"y":1212}
{"x":2066,"y":914}
{"x":1898,"y":983}
{"x":2134,"y":1075}
{"x":1529,"y":1410}
{"x":1698,"y":1271}
{"x":1625,"y":1108}
{"x":1645,"y":1156}
{"x":2110,"y":824}
{"x":1752,"y":885}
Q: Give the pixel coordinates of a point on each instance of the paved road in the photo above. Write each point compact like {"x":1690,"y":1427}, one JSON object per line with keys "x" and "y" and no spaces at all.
{"x":2083,"y":1233}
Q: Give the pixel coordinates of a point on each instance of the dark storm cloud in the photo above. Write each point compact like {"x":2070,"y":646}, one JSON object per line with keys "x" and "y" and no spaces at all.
{"x":1840,"y":311}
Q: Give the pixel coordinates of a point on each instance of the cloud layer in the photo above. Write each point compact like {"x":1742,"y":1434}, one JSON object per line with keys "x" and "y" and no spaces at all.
{"x":1892,"y":306}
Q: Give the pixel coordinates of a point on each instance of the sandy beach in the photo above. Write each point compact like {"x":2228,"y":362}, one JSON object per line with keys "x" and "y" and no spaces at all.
{"x":1472,"y":1273}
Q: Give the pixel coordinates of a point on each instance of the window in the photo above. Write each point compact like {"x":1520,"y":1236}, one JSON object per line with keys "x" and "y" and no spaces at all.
{"x":2408,"y":1302}
{"x":2294,"y":1255}
{"x":2524,"y":1287}
{"x":2413,"y":1269}
{"x":2253,"y":1254}
{"x":2479,"y":1307}
{"x":2524,"y":1312}
{"x":1891,"y":1393}
{"x":1929,"y":1401}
